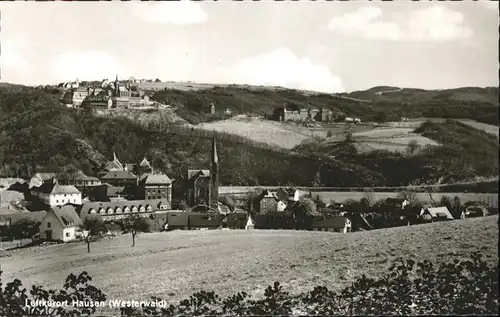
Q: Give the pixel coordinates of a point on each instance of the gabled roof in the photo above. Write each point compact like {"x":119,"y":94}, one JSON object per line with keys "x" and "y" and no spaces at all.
{"x":113,"y":166}
{"x":67,"y":216}
{"x":145,"y":163}
{"x":161,"y":179}
{"x":55,"y":188}
{"x":334,"y":222}
{"x":195,"y":173}
{"x":64,"y":189}
{"x":438,"y":212}
{"x":119,"y":175}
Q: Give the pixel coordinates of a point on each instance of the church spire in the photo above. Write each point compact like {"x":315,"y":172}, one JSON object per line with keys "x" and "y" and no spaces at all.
{"x":214,"y":176}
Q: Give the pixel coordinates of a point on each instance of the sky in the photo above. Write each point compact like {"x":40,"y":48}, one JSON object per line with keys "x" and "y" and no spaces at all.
{"x":321,"y":46}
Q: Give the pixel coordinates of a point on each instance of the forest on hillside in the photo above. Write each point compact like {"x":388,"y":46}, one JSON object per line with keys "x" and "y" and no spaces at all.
{"x":39,"y":135}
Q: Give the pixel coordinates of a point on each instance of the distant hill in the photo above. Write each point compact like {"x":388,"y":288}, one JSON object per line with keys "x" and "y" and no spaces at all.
{"x":377,"y":103}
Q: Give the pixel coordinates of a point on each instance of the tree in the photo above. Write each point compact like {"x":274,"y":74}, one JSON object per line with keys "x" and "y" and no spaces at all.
{"x":446,"y":202}
{"x":93,"y":228}
{"x":456,"y":207}
{"x":380,"y":117}
{"x":369,"y":195}
{"x":317,"y":180}
{"x":136,"y":224}
{"x":412,"y":147}
{"x":348,"y":133}
{"x":408,"y":195}
{"x":157,"y":80}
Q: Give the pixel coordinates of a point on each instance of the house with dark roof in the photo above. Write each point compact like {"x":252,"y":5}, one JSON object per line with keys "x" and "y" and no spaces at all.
{"x":108,"y":192}
{"x":120,"y":178}
{"x":53,"y":194}
{"x":81,"y":180}
{"x":332,"y":224}
{"x":60,"y":224}
{"x":474,"y":212}
{"x":155,"y":186}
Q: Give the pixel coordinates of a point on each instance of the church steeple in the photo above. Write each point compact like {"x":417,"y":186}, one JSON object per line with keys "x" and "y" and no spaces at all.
{"x":214,"y":176}
{"x":117,"y":86}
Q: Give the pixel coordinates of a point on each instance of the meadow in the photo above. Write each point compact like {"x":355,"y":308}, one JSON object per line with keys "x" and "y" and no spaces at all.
{"x":174,"y":265}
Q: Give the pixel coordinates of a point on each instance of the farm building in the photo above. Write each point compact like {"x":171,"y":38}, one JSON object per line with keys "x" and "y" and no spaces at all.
{"x":333,"y":224}
{"x":192,"y":220}
{"x":60,"y":224}
{"x":474,"y":211}
{"x":435,"y":214}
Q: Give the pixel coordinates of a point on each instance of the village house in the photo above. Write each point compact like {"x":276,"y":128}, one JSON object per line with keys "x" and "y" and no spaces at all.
{"x":60,"y":224}
{"x":432,"y":214}
{"x":120,"y":178}
{"x":108,"y":192}
{"x":155,"y":186}
{"x":53,"y":194}
{"x":115,"y":165}
{"x":333,"y":224}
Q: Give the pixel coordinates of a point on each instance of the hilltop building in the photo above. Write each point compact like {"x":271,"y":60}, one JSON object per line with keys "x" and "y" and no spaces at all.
{"x":285,"y":114}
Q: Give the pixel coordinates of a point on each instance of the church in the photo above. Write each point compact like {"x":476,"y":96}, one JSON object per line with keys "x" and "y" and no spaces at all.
{"x":203,"y":185}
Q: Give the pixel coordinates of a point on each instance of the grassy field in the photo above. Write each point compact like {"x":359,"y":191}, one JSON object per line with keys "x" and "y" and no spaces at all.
{"x":416,"y":122}
{"x":274,"y":133}
{"x":173,"y":265}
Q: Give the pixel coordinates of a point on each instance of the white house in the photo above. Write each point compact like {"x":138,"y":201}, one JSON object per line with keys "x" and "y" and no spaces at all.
{"x":60,"y":224}
{"x":435,"y":214}
{"x":53,"y":194}
{"x":334,"y":224}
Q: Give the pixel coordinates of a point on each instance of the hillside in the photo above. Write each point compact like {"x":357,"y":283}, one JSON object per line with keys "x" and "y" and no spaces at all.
{"x":444,"y":152}
{"x":176,"y":264}
{"x":41,"y":135}
{"x":480,"y":104}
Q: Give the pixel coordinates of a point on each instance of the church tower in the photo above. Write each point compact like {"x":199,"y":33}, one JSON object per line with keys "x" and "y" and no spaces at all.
{"x":214,"y":177}
{"x":117,"y":87}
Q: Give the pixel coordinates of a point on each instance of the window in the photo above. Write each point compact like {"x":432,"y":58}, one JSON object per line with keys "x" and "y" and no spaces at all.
{"x":57,"y":201}
{"x":67,"y":234}
{"x":48,"y":224}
